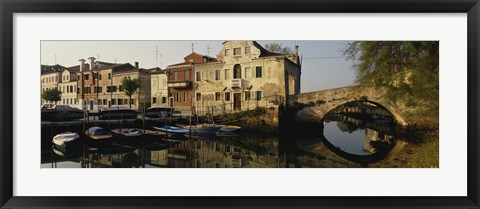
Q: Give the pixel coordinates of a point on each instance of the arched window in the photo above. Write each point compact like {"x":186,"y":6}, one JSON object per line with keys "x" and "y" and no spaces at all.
{"x":237,"y":71}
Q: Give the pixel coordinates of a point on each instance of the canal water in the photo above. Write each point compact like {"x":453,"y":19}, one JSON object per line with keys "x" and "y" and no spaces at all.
{"x":342,"y":140}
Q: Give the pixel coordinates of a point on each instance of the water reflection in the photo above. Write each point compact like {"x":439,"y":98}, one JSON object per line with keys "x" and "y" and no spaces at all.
{"x":224,"y":151}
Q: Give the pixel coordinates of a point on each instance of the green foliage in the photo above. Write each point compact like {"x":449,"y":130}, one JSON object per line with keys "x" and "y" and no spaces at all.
{"x":52,"y":95}
{"x":276,"y":47}
{"x":408,"y":69}
{"x":130,"y":86}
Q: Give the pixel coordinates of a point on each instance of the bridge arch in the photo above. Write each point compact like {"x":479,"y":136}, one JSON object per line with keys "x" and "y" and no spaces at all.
{"x":398,"y":118}
{"x":322,"y":102}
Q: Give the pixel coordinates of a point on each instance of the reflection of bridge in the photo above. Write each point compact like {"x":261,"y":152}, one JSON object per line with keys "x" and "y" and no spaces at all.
{"x":321,"y":102}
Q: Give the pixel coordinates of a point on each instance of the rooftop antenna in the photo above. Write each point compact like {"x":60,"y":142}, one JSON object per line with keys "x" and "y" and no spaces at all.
{"x":156,"y":55}
{"x":98,"y":57}
{"x":208,"y":50}
{"x":192,"y":47}
{"x":161,"y":60}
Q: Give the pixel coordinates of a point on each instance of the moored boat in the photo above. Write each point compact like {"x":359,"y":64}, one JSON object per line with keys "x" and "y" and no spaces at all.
{"x":98,"y":133}
{"x":204,"y":128}
{"x":171,"y":129}
{"x":64,"y":138}
{"x":229,"y":128}
{"x":130,"y":132}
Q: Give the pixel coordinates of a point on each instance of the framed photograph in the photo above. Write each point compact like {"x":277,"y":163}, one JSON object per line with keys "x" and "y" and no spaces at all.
{"x":350,"y":104}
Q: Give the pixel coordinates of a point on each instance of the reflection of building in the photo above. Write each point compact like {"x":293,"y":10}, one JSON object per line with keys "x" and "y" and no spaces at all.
{"x":245,"y":76}
{"x":211,"y":154}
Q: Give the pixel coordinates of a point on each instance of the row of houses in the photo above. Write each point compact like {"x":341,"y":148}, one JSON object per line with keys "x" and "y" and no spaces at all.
{"x":244,"y":75}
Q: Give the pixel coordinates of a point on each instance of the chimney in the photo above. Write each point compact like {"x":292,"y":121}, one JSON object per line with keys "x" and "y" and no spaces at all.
{"x":296,"y":50}
{"x":82,"y":62}
{"x":92,"y":62}
{"x":136,"y":65}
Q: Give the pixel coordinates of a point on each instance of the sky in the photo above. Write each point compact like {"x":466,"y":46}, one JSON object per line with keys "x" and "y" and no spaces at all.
{"x":323,"y":63}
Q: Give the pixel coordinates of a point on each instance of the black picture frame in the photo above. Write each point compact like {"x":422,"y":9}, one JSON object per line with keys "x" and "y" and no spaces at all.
{"x":10,"y":7}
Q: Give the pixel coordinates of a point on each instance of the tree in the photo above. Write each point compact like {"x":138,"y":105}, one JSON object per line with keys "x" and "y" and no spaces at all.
{"x":130,"y":86}
{"x":278,"y":48}
{"x":52,"y":95}
{"x":408,"y":69}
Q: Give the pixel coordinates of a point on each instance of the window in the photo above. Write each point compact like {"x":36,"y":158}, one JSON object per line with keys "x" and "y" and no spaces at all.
{"x":114,"y":101}
{"x":63,"y":89}
{"x":237,"y":71}
{"x":186,"y":76}
{"x":227,"y":74}
{"x":227,"y":52}
{"x":104,"y":101}
{"x":227,"y":96}
{"x":217,"y":96}
{"x":99,"y":102}
{"x":185,"y":97}
{"x":99,"y":76}
{"x":217,"y":75}
{"x":120,"y":101}
{"x":120,"y":88}
{"x":258,"y":95}
{"x":87,"y":90}
{"x":247,"y":95}
{"x":175,"y":76}
{"x":114,"y":88}
{"x":132,"y":101}
{"x":154,"y":100}
{"x":247,"y":50}
{"x":109,"y":89}
{"x":125,"y":101}
{"x":109,"y":75}
{"x":164,"y":100}
{"x":198,"y":97}
{"x":86,"y":76}
{"x":237,"y":51}
{"x":71,"y":88}
{"x":258,"y":72}
{"x":248,"y":72}
{"x":176,"y":97}
{"x":198,"y":76}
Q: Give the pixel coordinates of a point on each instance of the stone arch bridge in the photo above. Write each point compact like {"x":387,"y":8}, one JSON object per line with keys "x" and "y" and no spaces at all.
{"x":322,"y":102}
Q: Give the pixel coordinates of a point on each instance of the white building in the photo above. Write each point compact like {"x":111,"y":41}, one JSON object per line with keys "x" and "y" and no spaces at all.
{"x":245,"y":76}
{"x":159,"y":91}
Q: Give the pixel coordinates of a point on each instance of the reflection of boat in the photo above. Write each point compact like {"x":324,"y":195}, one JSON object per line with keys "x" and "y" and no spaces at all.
{"x":171,"y":129}
{"x":98,"y":133}
{"x":204,"y":128}
{"x":130,"y":132}
{"x":229,"y":128}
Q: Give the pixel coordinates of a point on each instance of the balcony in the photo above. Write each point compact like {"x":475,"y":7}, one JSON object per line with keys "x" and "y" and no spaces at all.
{"x":237,"y":83}
{"x":178,"y":84}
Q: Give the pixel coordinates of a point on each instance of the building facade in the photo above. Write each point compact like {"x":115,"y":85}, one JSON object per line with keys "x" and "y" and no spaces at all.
{"x":68,"y":87}
{"x":245,"y":76}
{"x":50,"y":77}
{"x":180,"y":79}
{"x":159,"y":88}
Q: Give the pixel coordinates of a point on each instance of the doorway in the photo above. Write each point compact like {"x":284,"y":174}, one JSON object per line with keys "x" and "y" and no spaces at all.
{"x":237,"y":101}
